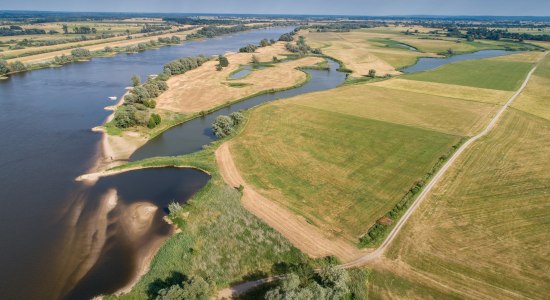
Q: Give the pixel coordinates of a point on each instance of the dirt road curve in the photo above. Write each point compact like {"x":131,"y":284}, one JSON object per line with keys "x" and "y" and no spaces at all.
{"x":262,"y":207}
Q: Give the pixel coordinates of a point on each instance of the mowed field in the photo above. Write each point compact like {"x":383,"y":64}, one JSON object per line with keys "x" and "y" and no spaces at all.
{"x":343,"y":158}
{"x":484,"y":232}
{"x":484,"y":73}
{"x":341,"y":172}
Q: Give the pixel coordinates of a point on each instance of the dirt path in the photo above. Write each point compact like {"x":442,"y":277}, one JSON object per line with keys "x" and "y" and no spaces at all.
{"x":231,"y":176}
{"x":296,"y":229}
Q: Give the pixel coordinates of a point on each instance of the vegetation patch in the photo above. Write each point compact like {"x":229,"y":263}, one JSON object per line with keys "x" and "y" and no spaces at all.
{"x":340,"y":171}
{"x":483,"y":73}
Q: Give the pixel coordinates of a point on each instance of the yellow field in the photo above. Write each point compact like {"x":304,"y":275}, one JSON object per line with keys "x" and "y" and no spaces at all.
{"x":360,"y":54}
{"x":205,"y":88}
{"x":439,"y":113}
{"x":484,"y":232}
{"x":535,"y":99}
{"x":528,"y":56}
{"x":447,"y":90}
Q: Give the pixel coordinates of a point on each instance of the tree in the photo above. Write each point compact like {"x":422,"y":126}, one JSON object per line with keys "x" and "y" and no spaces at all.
{"x":248,"y":49}
{"x":372,"y":73}
{"x":4,"y":69}
{"x":65,"y":29}
{"x":222,"y":126}
{"x":264,"y":43}
{"x":219,"y":67}
{"x":254,"y":60}
{"x":237,"y":117}
{"x":275,"y":59}
{"x":224,"y":62}
{"x":195,"y":288}
{"x":136,"y":81}
{"x":450,"y":51}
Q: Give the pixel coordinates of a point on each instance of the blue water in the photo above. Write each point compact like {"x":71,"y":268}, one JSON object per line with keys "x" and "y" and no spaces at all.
{"x":429,"y":63}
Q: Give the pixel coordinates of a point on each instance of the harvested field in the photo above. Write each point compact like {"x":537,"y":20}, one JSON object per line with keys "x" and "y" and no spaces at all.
{"x":489,"y":217}
{"x":438,"y":113}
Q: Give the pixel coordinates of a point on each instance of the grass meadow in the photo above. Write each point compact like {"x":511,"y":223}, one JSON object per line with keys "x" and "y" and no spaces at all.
{"x":341,"y":172}
{"x":483,"y":73}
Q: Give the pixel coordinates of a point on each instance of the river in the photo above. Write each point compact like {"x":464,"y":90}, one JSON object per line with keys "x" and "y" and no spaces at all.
{"x":64,"y":239}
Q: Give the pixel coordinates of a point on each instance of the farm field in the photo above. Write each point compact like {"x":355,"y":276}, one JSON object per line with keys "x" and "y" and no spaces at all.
{"x":535,"y":98}
{"x":487,"y":218}
{"x":488,"y":74}
{"x":205,"y":88}
{"x":320,"y":163}
{"x":422,"y":110}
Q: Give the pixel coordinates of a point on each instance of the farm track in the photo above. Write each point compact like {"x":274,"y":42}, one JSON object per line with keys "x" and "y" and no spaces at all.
{"x":230,"y":171}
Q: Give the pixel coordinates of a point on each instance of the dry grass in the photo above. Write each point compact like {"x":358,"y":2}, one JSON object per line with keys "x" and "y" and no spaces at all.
{"x":360,"y":54}
{"x":447,"y":90}
{"x":535,"y":99}
{"x":443,"y":114}
{"x":528,"y":57}
{"x":484,"y":232}
{"x":205,"y":88}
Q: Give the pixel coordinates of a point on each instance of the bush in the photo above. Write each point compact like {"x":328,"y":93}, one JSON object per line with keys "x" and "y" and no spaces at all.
{"x":108,"y":49}
{"x":4,"y":69}
{"x":264,"y":43}
{"x":136,"y":81}
{"x":219,"y":68}
{"x":224,"y":62}
{"x":81,"y":52}
{"x":287,"y":37}
{"x":248,"y":48}
{"x":17,"y":66}
{"x":195,"y":288}
{"x":372,"y":73}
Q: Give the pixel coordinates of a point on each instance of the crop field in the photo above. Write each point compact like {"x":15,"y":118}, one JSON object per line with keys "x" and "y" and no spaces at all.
{"x":447,"y":90}
{"x":205,"y":88}
{"x":437,"y":113}
{"x":341,"y":172}
{"x":484,"y":231}
{"x":489,"y":74}
{"x":535,"y":98}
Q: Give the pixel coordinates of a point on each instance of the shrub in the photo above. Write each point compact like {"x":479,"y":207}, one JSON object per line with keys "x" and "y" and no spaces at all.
{"x":136,"y":81}
{"x":248,"y":48}
{"x":17,"y":66}
{"x":4,"y":69}
{"x":108,"y":49}
{"x":219,"y":68}
{"x":224,"y":62}
{"x":372,"y":73}
{"x":81,"y":52}
{"x":264,"y":43}
{"x":195,"y":288}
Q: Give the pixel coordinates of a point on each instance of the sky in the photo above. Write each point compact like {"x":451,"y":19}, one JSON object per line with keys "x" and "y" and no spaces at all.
{"x":324,"y":7}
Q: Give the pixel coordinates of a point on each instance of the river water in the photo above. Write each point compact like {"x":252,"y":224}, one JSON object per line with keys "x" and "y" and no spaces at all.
{"x":46,"y":142}
{"x":61,"y":239}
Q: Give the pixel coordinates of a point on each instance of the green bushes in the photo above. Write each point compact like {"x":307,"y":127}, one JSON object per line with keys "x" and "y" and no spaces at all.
{"x":330,"y":283}
{"x":154,"y":120}
{"x":224,"y":125}
{"x":81,"y":53}
{"x":17,"y":66}
{"x":264,"y":43}
{"x":224,"y":62}
{"x":183,"y":65}
{"x":4,"y":69}
{"x":248,"y":48}
{"x":194,"y":288}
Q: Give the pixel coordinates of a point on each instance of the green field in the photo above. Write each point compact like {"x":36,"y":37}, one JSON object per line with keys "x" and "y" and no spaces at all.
{"x":341,"y":172}
{"x":484,"y":73}
{"x":484,"y":231}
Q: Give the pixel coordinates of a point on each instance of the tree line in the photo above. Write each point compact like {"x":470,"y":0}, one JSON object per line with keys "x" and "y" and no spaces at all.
{"x":17,"y":30}
{"x":137,"y":107}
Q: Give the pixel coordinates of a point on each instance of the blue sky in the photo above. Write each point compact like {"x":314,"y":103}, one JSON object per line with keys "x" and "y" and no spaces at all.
{"x":335,"y":7}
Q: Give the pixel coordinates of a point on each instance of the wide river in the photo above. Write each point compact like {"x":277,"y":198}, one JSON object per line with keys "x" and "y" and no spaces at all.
{"x":61,"y":239}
